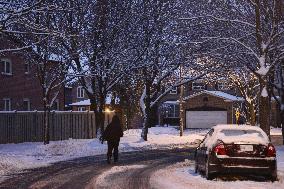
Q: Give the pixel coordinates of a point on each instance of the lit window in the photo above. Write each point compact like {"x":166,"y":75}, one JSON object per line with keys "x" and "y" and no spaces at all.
{"x":174,"y":90}
{"x":172,"y":110}
{"x":80,"y":92}
{"x":6,"y":66}
{"x":26,"y":104}
{"x":7,"y":104}
{"x":198,"y":86}
{"x":81,"y":109}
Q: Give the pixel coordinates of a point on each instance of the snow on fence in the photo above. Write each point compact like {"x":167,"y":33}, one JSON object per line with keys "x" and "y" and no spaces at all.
{"x":17,"y":127}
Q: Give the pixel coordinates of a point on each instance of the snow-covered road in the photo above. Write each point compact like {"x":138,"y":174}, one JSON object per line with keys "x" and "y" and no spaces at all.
{"x":158,"y":162}
{"x":17,"y":157}
{"x":133,"y":171}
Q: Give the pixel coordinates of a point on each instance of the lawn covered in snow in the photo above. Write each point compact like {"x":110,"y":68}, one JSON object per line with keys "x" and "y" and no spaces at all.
{"x":17,"y":157}
{"x":182,"y":176}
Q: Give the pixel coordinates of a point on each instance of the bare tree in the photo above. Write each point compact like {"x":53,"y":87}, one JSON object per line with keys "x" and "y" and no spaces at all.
{"x":15,"y":21}
{"x":248,"y":32}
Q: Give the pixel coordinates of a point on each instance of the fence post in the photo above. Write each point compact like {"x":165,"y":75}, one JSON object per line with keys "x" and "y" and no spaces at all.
{"x":34,"y":125}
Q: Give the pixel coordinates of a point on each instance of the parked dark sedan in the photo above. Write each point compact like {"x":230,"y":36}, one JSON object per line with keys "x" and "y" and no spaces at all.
{"x":236,"y":149}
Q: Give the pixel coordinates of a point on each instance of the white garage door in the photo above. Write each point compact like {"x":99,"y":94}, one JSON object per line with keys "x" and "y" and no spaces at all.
{"x":205,"y":119}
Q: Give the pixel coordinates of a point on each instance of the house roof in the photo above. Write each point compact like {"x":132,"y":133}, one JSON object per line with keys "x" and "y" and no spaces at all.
{"x":225,"y":96}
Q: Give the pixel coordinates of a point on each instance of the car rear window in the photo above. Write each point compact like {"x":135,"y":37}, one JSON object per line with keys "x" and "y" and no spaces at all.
{"x":241,"y":133}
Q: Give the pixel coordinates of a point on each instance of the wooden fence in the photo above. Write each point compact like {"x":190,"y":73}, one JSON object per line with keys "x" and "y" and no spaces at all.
{"x":17,"y":127}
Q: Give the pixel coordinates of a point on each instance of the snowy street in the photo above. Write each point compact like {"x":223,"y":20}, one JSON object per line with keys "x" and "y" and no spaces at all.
{"x":165,"y":161}
{"x":15,"y":158}
{"x":133,"y":171}
{"x":149,"y":169}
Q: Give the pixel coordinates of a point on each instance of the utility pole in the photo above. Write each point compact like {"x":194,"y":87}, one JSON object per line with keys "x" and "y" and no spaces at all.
{"x":181,"y":116}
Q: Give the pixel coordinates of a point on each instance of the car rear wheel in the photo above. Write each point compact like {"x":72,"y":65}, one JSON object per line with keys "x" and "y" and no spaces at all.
{"x":273,"y":176}
{"x":196,"y":169}
{"x":208,"y":174}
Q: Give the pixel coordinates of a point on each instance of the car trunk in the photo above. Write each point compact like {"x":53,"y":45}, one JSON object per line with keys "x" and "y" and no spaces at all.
{"x":246,"y":150}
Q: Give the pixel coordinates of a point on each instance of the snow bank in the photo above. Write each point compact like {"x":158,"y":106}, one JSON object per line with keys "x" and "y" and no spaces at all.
{"x":182,"y":176}
{"x":16,"y":157}
{"x":275,"y":131}
{"x":103,"y":179}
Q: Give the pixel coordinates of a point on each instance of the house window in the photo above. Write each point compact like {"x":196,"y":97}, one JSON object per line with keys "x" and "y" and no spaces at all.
{"x":198,"y":86}
{"x":7,"y":104}
{"x":55,"y":105}
{"x":6,"y":66}
{"x":80,"y":92}
{"x":27,"y":68}
{"x":81,"y":109}
{"x":174,"y":90}
{"x":26,"y":104}
{"x":223,"y":86}
{"x":172,"y":110}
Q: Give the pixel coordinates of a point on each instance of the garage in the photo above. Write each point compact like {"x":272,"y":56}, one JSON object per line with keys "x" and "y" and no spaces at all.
{"x":205,"y":119}
{"x":206,"y":109}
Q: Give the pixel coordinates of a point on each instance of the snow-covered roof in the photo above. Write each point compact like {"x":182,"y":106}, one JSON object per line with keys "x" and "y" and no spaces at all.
{"x":273,"y":99}
{"x":171,"y":102}
{"x":220,"y":94}
{"x":87,"y":102}
{"x":81,"y":103}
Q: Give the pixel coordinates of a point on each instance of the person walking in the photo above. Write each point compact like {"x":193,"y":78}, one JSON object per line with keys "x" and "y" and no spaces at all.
{"x":112,"y":135}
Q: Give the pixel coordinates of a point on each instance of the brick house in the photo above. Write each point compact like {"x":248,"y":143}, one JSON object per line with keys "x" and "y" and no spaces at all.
{"x":169,"y":108}
{"x":20,"y":88}
{"x":80,"y":101}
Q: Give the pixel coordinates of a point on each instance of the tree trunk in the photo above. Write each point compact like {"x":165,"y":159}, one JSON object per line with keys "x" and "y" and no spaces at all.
{"x":282,"y":112}
{"x":100,"y":119}
{"x":252,"y":114}
{"x":147,"y":120}
{"x":46,"y":125}
{"x":264,"y":111}
{"x":144,"y":133}
{"x":282,"y":123}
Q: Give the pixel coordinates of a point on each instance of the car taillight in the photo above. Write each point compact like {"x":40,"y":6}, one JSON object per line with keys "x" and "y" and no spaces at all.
{"x":220,"y":149}
{"x":271,"y":152}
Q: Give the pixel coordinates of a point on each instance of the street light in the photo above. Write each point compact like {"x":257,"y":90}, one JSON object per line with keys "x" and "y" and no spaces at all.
{"x":108,"y":111}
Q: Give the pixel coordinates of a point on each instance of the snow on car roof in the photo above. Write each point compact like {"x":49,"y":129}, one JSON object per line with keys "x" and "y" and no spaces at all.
{"x":234,"y":127}
{"x":257,"y":137}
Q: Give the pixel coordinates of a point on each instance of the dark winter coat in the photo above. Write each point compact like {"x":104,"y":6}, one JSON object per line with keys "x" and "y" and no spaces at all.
{"x":113,"y":131}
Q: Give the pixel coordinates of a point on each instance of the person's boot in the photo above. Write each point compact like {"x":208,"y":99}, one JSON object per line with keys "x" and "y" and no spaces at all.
{"x":108,"y":159}
{"x":115,"y":160}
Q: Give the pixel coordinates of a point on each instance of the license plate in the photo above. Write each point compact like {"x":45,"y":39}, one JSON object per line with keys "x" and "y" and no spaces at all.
{"x":246,"y":148}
